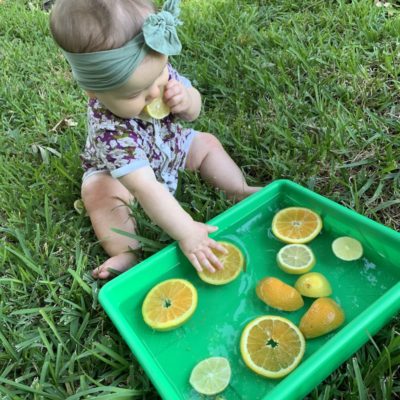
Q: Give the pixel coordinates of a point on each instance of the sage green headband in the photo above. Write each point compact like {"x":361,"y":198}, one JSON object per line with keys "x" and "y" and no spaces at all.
{"x":105,"y":70}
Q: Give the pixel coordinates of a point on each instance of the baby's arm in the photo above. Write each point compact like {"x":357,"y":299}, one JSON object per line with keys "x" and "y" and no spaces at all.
{"x":166,"y":212}
{"x":185,"y":102}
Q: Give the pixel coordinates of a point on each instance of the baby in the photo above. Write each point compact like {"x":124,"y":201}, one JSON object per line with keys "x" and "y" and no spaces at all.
{"x":118,"y":52}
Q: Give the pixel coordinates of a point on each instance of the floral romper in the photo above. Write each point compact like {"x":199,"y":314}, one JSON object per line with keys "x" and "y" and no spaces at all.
{"x":120,"y":146}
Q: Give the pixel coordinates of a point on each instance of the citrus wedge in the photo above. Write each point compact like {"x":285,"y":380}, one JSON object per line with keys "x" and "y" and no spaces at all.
{"x":272,"y":346}
{"x":157,"y":108}
{"x":313,"y":284}
{"x":295,"y":259}
{"x":233,"y":263}
{"x":278,"y":294}
{"x":296,"y":225}
{"x":347,"y":248}
{"x":324,"y":316}
{"x":211,"y":376}
{"x":169,"y":304}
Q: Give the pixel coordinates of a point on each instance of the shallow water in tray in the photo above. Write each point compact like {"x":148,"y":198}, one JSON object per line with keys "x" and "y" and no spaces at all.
{"x":223,"y":311}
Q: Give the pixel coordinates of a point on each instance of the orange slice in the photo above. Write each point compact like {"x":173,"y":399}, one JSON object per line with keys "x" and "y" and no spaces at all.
{"x":272,"y":346}
{"x":296,"y":225}
{"x":233,"y":263}
{"x":169,"y":304}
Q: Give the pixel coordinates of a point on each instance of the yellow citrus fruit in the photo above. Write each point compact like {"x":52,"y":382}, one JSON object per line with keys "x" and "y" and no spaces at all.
{"x":272,"y":346}
{"x":347,"y":248}
{"x":278,"y":294}
{"x":233,"y":263}
{"x":296,"y":225}
{"x":324,"y":316}
{"x":211,"y":376}
{"x":295,"y":259}
{"x":313,"y":284}
{"x":157,"y":108}
{"x":169,"y":304}
{"x":79,"y":206}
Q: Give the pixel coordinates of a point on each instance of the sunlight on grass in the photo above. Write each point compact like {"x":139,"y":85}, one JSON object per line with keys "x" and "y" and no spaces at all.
{"x":301,"y":90}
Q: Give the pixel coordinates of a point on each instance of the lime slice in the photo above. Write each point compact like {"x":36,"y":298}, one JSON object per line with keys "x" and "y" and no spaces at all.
{"x":211,"y":376}
{"x":295,"y":259}
{"x":346,"y":248}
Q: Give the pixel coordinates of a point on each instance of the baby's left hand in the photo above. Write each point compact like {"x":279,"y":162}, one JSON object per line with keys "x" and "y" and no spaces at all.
{"x":177,"y":97}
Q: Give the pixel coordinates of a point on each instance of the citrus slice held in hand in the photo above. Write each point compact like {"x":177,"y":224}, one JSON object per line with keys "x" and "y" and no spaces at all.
{"x":157,"y":109}
{"x":233,"y":263}
{"x":296,"y":225}
{"x":211,"y":376}
{"x":272,"y":346}
{"x":169,"y":304}
{"x":295,"y":258}
{"x":346,"y":248}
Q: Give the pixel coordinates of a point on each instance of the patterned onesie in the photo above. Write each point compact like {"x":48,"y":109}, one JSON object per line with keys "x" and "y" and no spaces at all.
{"x":120,"y":146}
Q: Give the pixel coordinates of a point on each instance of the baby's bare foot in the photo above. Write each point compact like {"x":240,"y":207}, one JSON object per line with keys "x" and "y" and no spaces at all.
{"x":119,"y":263}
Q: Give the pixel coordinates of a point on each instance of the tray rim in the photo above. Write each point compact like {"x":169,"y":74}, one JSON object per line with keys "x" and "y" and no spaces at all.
{"x":372,"y":317}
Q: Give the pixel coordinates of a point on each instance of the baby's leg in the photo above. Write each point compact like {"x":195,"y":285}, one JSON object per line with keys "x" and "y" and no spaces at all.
{"x":207,"y":155}
{"x":106,"y":200}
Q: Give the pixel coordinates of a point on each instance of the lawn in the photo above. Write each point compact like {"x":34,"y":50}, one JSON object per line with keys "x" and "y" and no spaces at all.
{"x":303,"y":90}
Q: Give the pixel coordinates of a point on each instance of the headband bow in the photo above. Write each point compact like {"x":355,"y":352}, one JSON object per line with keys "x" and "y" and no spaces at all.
{"x":159,"y":30}
{"x":106,"y":70}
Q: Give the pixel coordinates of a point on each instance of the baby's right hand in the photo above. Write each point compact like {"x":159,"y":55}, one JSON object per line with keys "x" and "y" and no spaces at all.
{"x":197,"y":247}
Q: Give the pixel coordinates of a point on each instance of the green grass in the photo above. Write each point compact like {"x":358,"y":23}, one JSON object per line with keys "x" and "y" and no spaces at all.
{"x":294,"y":89}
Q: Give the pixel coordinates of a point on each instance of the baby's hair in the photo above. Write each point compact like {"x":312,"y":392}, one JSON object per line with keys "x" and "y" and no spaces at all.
{"x":85,"y":26}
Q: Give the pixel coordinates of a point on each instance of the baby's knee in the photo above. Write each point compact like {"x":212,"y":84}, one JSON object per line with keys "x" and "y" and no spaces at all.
{"x":102,"y":191}
{"x":92,"y":194}
{"x":210,"y":142}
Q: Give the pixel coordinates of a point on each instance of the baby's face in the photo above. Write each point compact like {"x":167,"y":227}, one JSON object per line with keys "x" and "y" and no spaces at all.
{"x":144,"y":85}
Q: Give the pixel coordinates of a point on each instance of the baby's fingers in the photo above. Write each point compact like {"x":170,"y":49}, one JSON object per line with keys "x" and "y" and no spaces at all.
{"x":172,"y":89}
{"x":203,"y":258}
{"x":217,"y":246}
{"x":195,"y":262}
{"x":213,"y":259}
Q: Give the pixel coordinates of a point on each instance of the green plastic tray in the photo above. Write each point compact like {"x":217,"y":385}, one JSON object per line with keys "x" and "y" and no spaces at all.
{"x":367,"y":289}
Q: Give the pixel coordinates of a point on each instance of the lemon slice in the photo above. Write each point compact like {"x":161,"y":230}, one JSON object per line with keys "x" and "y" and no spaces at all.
{"x":211,"y":376}
{"x":169,"y":304}
{"x":295,"y":259}
{"x":347,"y":248}
{"x":233,"y":263}
{"x":272,"y":346}
{"x":157,"y":108}
{"x":79,"y":206}
{"x":296,"y":225}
